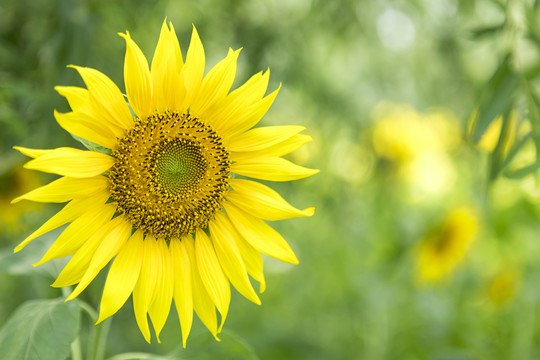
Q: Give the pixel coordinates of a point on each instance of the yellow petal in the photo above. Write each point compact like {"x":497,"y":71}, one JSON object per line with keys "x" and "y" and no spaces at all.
{"x":193,"y":69}
{"x":33,"y":153}
{"x":253,"y":261}
{"x":224,"y":238}
{"x":72,"y":162}
{"x":82,"y":125}
{"x":212,"y":275}
{"x":202,"y":303}
{"x":106,"y":99}
{"x":78,"y":232}
{"x":70,"y":212}
{"x":215,"y":85}
{"x":77,"y":266}
{"x":78,"y":98}
{"x":183,"y":294}
{"x":160,"y":307}
{"x":262,"y":137}
{"x":271,"y":168}
{"x":122,"y":276}
{"x":109,"y":247}
{"x":280,"y":149}
{"x":168,"y":86}
{"x":237,"y":102}
{"x":261,"y":201}
{"x":145,"y":289}
{"x":248,"y":118}
{"x":137,"y":78}
{"x":261,"y":236}
{"x":65,"y":189}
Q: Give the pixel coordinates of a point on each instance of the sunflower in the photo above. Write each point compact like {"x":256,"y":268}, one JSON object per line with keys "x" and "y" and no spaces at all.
{"x":442,"y":249}
{"x":162,"y":188}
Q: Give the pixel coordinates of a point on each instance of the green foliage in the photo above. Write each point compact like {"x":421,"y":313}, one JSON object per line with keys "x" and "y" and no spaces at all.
{"x":40,"y":330}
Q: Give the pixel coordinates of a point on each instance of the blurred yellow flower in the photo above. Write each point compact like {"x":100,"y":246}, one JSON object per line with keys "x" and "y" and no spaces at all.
{"x":503,"y":287}
{"x":441,"y":250}
{"x":157,"y":193}
{"x":14,"y":182}
{"x":418,"y":145}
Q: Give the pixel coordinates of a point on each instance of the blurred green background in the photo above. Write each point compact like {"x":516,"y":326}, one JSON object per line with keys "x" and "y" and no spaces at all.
{"x":424,"y":245}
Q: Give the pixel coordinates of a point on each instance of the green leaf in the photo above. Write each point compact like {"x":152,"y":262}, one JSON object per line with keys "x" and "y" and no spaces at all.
{"x":41,"y":330}
{"x":20,"y":263}
{"x":496,"y":98}
{"x":522,"y":172}
{"x":486,"y":30}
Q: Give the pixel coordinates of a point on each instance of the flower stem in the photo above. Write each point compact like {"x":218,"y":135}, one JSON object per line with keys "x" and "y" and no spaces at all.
{"x":76,"y":353}
{"x":99,"y":340}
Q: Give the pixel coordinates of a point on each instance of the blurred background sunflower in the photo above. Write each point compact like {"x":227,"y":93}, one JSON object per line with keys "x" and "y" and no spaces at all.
{"x":402,"y":99}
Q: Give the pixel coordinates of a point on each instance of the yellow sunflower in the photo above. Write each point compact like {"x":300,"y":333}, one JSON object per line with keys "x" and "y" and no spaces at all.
{"x":445,"y":246}
{"x":157,"y":190}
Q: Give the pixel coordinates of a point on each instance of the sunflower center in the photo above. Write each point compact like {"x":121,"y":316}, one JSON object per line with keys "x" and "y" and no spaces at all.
{"x":171,"y":174}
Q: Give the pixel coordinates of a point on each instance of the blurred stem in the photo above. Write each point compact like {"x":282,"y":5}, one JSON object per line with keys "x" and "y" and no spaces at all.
{"x":89,"y":310}
{"x":76,"y":352}
{"x":98,"y":338}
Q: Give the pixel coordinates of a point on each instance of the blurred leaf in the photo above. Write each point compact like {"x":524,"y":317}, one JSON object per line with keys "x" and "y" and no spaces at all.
{"x":498,"y":159}
{"x":20,"y":263}
{"x":206,"y":348}
{"x":486,"y":31}
{"x":40,"y":329}
{"x":511,"y":154}
{"x":496,"y":98}
{"x":522,"y":172}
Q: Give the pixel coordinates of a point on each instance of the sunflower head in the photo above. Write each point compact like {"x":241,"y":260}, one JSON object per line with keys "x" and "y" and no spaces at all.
{"x":164,"y":188}
{"x":441,"y":250}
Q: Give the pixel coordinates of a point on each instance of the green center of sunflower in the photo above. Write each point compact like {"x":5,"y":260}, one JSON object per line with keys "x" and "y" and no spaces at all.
{"x":171,"y":174}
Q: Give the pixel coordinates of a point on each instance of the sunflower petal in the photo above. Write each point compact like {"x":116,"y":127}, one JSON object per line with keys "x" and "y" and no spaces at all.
{"x":106,"y":99}
{"x":253,"y":261}
{"x":82,"y":125}
{"x":212,"y":275}
{"x":249,"y":117}
{"x":145,"y":289}
{"x":160,"y":307}
{"x":109,"y":247}
{"x":78,"y":98}
{"x":261,"y":236}
{"x":137,"y":78}
{"x":224,"y":239}
{"x":263,"y":137}
{"x":72,"y":238}
{"x":216,"y":84}
{"x":122,"y":276}
{"x":33,"y":153}
{"x":238,"y":101}
{"x":183,"y":294}
{"x":168,"y":87}
{"x":193,"y":69}
{"x":280,"y":149}
{"x":261,"y":201}
{"x":72,"y":162}
{"x":271,"y":168}
{"x":65,"y":189}
{"x":202,"y":303}
{"x":77,"y":266}
{"x":70,"y":212}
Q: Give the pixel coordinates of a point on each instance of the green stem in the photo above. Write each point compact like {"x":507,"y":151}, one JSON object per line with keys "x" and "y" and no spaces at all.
{"x":99,"y":340}
{"x":76,"y":352}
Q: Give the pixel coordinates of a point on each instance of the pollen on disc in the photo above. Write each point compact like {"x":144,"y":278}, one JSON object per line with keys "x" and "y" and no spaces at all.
{"x":171,"y":174}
